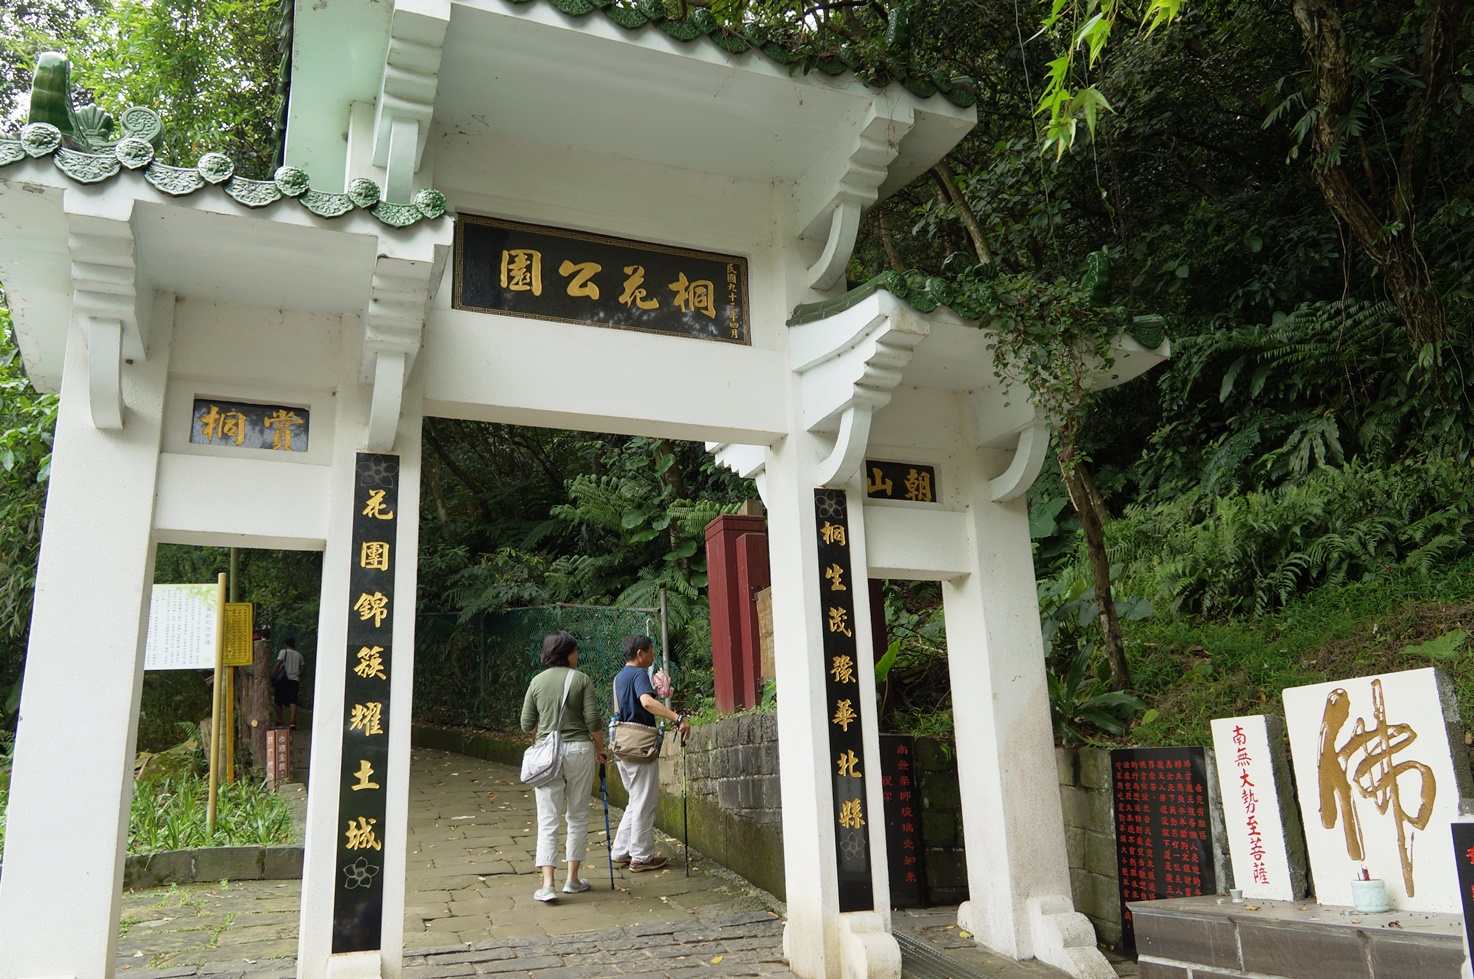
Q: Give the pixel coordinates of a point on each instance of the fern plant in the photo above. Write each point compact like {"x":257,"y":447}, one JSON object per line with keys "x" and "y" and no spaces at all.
{"x":1245,"y":553}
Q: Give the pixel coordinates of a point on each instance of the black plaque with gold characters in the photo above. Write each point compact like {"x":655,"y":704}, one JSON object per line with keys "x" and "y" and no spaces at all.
{"x":358,"y":900}
{"x":842,"y":699}
{"x":576,"y":277}
{"x":241,"y":425}
{"x":900,"y":481}
{"x":1163,"y":844}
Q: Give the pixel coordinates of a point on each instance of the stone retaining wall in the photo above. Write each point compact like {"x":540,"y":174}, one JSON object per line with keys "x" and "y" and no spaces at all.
{"x":1090,"y":837}
{"x":941,"y":823}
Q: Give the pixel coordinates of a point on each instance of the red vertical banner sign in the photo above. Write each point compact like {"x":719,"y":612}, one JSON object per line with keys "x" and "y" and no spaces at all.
{"x":842,"y":701}
{"x":358,"y":898}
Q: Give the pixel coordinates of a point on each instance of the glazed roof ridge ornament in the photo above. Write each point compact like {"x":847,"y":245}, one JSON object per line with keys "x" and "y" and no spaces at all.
{"x":82,"y":145}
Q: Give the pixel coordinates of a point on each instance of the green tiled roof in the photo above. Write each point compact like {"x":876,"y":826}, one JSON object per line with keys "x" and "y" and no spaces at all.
{"x":964,"y":288}
{"x":78,"y":142}
{"x":796,"y":51}
{"x":40,"y":139}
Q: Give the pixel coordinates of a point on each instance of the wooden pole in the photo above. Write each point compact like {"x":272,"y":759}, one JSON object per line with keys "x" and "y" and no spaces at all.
{"x":215,"y":709}
{"x":664,"y":640}
{"x":230,"y":719}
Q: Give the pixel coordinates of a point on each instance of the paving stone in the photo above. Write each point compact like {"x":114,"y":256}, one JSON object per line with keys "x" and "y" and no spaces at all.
{"x":438,"y":970}
{"x":502,"y":966}
{"x":473,"y":954}
{"x":595,"y":971}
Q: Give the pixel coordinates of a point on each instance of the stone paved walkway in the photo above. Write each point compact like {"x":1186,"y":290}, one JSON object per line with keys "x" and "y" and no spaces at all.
{"x":468,"y":902}
{"x":469,"y":907}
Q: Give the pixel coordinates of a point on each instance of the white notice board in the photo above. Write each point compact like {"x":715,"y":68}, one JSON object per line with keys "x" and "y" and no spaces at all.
{"x":181,"y":627}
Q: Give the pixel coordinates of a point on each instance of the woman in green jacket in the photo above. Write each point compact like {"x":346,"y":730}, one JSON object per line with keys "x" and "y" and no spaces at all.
{"x":583,"y":744}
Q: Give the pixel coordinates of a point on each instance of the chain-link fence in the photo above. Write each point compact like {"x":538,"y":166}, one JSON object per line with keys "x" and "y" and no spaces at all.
{"x":475,"y":673}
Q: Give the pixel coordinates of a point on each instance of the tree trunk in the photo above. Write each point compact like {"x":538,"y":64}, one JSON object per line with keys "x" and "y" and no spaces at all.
{"x":255,"y":711}
{"x":1077,"y":484}
{"x":965,"y":213}
{"x":888,"y":242}
{"x":1387,"y":233}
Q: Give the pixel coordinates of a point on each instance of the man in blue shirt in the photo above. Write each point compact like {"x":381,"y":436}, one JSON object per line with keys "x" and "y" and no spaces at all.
{"x":635,"y":700}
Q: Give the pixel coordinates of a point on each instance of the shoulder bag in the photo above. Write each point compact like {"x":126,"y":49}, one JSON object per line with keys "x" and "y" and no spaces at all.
{"x":631,"y":740}
{"x":543,"y":762}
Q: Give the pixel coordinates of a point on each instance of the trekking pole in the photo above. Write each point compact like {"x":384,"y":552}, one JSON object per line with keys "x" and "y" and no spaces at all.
{"x":685,"y":827}
{"x":608,"y":839}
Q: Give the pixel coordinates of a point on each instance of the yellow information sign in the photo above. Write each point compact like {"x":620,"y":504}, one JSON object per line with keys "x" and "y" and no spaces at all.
{"x":239,"y":619}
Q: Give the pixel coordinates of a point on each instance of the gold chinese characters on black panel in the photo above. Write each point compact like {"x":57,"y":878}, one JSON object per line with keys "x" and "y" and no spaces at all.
{"x":842,"y":666}
{"x":239,"y":425}
{"x":358,"y":900}
{"x":900,"y":481}
{"x":576,"y":277}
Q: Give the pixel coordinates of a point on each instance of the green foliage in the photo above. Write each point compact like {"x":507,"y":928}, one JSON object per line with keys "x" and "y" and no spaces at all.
{"x":1221,"y":556}
{"x":1082,"y":696}
{"x":171,"y":815}
{"x":208,"y":67}
{"x":1193,"y":669}
{"x":1311,"y":389}
{"x":171,"y":699}
{"x":1081,"y":701}
{"x":7,"y":760}
{"x":27,"y":424}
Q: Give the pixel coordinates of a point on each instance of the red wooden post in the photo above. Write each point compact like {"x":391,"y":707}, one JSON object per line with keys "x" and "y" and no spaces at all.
{"x":736,"y":568}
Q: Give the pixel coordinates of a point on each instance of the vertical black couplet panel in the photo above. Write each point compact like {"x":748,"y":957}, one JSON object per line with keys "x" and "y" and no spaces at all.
{"x":842,"y":701}
{"x":1464,"y":855}
{"x":1163,"y":845}
{"x":358,"y":899}
{"x":902,"y":800}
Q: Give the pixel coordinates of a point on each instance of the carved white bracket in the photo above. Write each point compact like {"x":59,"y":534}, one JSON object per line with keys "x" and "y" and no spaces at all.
{"x":832,"y":195}
{"x":401,"y":162}
{"x":105,"y":372}
{"x":844,"y":226}
{"x":848,"y":365}
{"x":848,"y":453}
{"x":393,"y":327}
{"x":105,"y":303}
{"x":389,"y":374}
{"x":1028,"y":460}
{"x":407,"y":90}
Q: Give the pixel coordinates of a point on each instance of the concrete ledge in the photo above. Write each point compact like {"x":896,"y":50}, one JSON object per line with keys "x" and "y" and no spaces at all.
{"x":206,"y":864}
{"x":1213,"y":938}
{"x":212,"y":863}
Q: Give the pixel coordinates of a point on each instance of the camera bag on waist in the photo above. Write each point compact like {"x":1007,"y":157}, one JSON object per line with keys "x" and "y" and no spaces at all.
{"x":631,"y":740}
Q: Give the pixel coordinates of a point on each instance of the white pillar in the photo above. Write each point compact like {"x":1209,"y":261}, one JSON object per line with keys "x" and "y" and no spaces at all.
{"x":315,"y":959}
{"x":72,"y":784}
{"x":820,"y":941}
{"x":1017,"y":868}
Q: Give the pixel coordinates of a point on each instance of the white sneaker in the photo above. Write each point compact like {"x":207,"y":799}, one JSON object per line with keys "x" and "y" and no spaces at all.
{"x":571,"y":886}
{"x":545,"y":894}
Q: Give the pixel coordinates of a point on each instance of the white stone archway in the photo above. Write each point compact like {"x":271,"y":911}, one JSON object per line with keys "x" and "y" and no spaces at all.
{"x":139,"y":289}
